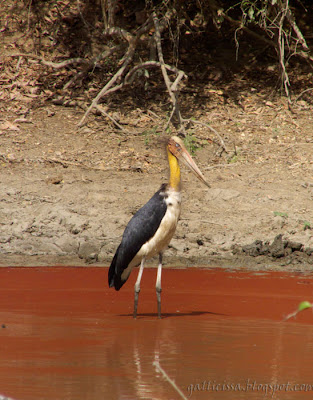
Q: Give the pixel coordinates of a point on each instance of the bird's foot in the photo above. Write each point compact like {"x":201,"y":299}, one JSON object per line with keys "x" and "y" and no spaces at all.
{"x":137,"y":290}
{"x":158,"y":293}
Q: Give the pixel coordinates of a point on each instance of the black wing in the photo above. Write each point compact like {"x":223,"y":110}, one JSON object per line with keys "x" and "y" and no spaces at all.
{"x":139,"y":230}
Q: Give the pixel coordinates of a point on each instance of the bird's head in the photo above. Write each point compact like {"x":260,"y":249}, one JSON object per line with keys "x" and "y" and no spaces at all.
{"x":176,"y":147}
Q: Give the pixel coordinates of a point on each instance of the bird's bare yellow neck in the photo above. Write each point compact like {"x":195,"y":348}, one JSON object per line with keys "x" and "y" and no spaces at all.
{"x":174,"y":171}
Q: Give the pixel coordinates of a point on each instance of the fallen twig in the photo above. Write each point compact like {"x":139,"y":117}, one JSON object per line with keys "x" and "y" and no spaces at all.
{"x":52,"y":64}
{"x":102,"y":111}
{"x":154,"y":114}
{"x":158,"y":367}
{"x":302,"y":306}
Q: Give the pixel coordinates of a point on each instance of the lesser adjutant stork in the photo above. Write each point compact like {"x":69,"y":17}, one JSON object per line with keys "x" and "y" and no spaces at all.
{"x":151,"y":229}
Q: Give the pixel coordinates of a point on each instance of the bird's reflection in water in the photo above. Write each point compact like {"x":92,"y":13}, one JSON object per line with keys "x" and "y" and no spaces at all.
{"x":134,"y":353}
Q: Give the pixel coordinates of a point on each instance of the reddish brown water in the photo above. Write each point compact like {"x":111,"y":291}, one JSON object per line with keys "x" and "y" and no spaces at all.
{"x":65,"y":335}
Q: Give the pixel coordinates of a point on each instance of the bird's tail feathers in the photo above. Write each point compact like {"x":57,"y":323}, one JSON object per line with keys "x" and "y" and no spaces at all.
{"x":113,"y":277}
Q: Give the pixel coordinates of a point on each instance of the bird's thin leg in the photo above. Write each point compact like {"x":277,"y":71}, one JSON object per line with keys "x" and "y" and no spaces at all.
{"x":137,"y":286}
{"x":158,"y":285}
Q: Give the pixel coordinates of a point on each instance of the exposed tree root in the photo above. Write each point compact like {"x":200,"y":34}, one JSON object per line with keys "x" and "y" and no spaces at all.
{"x":138,"y":46}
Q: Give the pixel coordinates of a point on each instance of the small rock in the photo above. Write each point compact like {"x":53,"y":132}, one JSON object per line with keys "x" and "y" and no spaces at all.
{"x":67,"y":245}
{"x":11,"y":157}
{"x":254,"y":249}
{"x":54,"y":180}
{"x":277,"y":248}
{"x":308,"y":251}
{"x":279,"y":222}
{"x":294,"y":246}
{"x":50,"y":113}
{"x":88,"y":252}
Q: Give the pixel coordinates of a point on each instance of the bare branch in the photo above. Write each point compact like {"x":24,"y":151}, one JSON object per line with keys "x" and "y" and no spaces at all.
{"x":119,"y":33}
{"x":302,"y":93}
{"x":128,"y":56}
{"x":90,"y":63}
{"x":240,"y":25}
{"x":181,"y":75}
{"x":104,"y":91}
{"x":59,"y":65}
{"x":169,"y":120}
{"x":104,"y":12}
{"x":281,"y":51}
{"x":111,"y":11}
{"x":145,"y":65}
{"x":294,"y":26}
{"x":166,"y":78}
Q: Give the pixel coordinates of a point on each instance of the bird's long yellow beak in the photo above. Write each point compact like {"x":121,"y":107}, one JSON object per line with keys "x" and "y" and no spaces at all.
{"x":177,"y":148}
{"x":186,"y":158}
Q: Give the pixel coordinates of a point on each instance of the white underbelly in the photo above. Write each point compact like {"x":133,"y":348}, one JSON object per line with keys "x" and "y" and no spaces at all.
{"x":164,"y":233}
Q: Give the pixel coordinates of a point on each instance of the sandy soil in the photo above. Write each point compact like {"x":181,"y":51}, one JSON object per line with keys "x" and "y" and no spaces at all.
{"x":67,"y":194}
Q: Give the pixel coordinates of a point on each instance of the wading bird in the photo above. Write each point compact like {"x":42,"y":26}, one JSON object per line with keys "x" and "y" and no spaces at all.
{"x":151,"y":229}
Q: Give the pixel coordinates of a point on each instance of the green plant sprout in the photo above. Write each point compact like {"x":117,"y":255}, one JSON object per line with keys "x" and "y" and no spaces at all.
{"x":280,"y":214}
{"x":306,"y":225}
{"x":233,"y":159}
{"x":191,"y":143}
{"x":304,"y":305}
{"x":147,"y":133}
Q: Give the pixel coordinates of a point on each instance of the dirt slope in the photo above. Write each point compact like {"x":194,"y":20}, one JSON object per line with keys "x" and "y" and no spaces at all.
{"x":67,"y":194}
